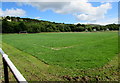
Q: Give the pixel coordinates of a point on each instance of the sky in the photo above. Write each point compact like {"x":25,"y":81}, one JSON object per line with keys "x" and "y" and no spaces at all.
{"x":72,"y":12}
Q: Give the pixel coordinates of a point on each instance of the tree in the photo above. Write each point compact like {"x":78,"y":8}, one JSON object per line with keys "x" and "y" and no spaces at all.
{"x":8,"y":17}
{"x":35,"y":26}
{"x":22,"y":26}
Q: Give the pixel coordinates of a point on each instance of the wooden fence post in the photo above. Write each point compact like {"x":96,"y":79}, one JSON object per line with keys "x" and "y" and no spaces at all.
{"x":6,"y":78}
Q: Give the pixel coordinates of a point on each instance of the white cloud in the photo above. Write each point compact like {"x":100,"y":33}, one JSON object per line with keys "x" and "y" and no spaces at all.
{"x":37,"y":17}
{"x":56,"y":0}
{"x":108,"y":21}
{"x":85,"y":17}
{"x":1,"y":12}
{"x":43,"y":6}
{"x":12,"y":12}
{"x":81,"y":9}
{"x":93,"y":13}
{"x":102,"y":22}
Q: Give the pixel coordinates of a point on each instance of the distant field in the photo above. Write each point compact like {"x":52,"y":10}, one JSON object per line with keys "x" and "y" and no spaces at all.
{"x":68,"y":50}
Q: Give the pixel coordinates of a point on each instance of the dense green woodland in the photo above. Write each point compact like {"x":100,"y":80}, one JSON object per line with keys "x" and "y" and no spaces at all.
{"x":17,"y":24}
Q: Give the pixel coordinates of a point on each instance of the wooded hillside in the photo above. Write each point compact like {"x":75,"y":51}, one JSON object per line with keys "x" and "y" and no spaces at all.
{"x":17,"y":24}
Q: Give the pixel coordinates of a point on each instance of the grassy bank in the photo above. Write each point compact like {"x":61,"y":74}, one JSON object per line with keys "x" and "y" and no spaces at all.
{"x":64,"y":56}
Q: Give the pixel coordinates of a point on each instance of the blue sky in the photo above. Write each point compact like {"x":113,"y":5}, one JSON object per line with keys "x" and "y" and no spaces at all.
{"x":64,"y":13}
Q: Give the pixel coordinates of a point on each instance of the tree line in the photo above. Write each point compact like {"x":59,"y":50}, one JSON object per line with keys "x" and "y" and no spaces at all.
{"x":17,"y":24}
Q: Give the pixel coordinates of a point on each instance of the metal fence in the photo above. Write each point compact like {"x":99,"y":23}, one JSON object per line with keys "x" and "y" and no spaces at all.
{"x":7,"y":63}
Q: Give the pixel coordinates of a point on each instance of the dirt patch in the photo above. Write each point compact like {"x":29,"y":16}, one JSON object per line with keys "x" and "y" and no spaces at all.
{"x":108,"y":72}
{"x":55,"y":48}
{"x":59,"y":48}
{"x":62,"y":48}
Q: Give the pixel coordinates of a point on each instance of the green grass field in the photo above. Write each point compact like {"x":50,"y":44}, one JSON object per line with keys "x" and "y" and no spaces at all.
{"x":49,"y":56}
